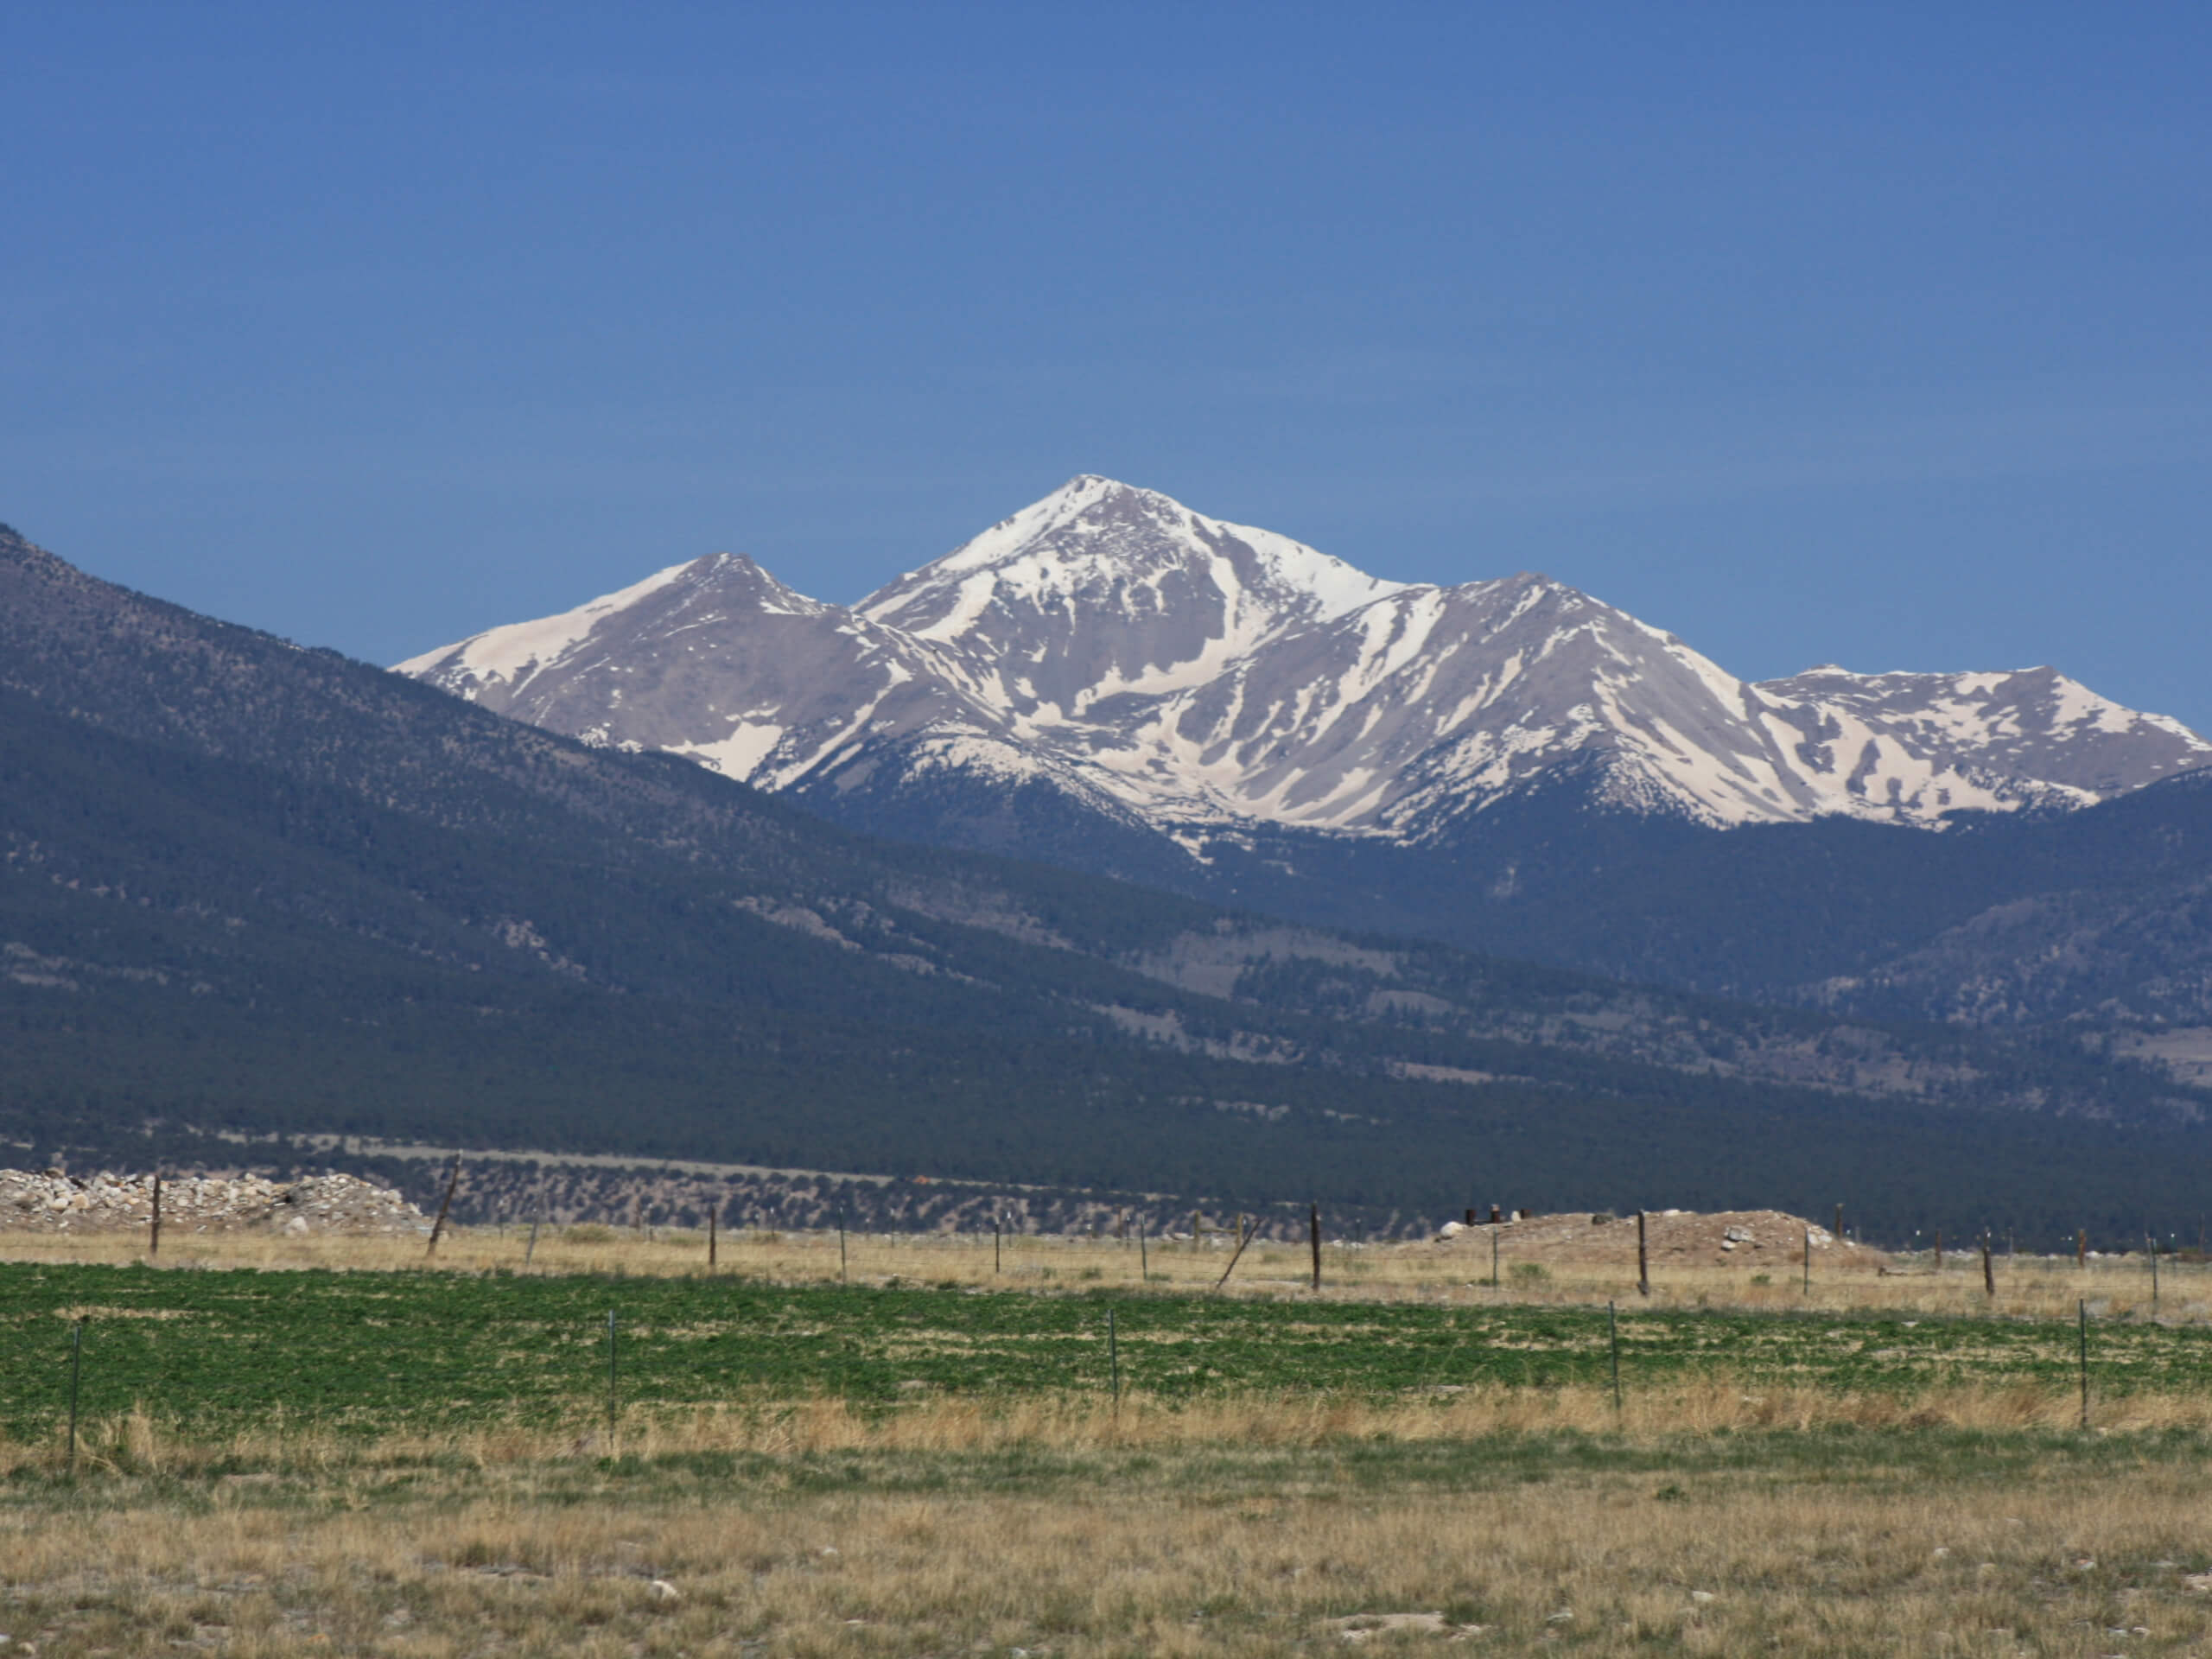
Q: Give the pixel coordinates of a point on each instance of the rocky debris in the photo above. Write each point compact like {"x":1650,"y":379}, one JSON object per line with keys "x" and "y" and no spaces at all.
{"x":1364,"y":1627}
{"x":50,"y":1201}
{"x":1759,"y":1238}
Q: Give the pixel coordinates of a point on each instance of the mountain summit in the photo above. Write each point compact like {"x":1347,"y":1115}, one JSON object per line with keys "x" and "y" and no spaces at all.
{"x":1109,"y":662}
{"x":1103,"y":590}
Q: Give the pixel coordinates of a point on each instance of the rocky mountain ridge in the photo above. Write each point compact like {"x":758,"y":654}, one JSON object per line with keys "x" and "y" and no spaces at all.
{"x":1155,"y":671}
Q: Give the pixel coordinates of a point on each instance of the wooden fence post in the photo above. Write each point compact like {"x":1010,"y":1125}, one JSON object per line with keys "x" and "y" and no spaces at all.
{"x":2081,"y":1247}
{"x":1988,"y":1273}
{"x":1939,"y":1249}
{"x":1313,"y":1222}
{"x":1642,"y":1259}
{"x":1233,"y":1259}
{"x":712,"y":1205}
{"x":438,"y":1227}
{"x":154,"y":1243}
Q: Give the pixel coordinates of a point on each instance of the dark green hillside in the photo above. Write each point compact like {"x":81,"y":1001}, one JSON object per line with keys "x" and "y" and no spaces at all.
{"x":1767,"y":910}
{"x":1764,"y":910}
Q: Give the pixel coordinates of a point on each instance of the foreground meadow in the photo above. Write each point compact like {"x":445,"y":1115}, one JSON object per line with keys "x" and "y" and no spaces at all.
{"x":469,"y":1460}
{"x":1233,"y":1533}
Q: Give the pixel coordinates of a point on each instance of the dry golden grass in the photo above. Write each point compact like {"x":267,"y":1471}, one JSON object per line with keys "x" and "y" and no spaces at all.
{"x":1233,"y":1530}
{"x":2027,"y":1286}
{"x":140,"y":1442}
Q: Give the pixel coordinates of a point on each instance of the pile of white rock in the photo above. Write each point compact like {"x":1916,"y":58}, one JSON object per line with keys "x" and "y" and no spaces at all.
{"x":49,"y":1201}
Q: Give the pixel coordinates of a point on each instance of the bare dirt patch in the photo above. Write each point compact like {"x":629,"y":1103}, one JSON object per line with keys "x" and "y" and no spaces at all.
{"x":1771,"y":1239}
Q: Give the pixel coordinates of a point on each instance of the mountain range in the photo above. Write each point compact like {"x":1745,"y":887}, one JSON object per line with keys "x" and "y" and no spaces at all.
{"x":1111,"y":681}
{"x":250,"y":888}
{"x":1156,"y":666}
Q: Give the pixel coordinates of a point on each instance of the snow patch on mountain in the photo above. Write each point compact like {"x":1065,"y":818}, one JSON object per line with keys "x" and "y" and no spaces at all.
{"x":739,"y":754}
{"x":509,"y":655}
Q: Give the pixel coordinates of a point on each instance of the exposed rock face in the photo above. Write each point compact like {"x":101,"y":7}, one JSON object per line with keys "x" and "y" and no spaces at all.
{"x":51,"y":1202}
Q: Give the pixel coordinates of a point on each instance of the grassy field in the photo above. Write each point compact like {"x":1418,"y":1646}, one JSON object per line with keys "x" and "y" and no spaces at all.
{"x":422,"y":1462}
{"x":376,"y":1353}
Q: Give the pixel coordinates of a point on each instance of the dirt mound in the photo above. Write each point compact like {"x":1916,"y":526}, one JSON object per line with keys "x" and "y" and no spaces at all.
{"x":1719,"y":1238}
{"x":51,"y":1202}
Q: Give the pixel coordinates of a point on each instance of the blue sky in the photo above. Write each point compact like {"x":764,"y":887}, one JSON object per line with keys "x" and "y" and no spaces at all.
{"x":1862,"y":333}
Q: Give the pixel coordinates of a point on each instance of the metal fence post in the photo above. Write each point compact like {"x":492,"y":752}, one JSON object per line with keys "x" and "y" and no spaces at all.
{"x":1613,"y":1338}
{"x":2084,"y":1308}
{"x":1114,"y":1359}
{"x":76,"y":1376}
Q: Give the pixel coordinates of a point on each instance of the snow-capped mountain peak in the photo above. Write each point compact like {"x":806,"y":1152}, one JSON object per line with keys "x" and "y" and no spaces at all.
{"x":1098,"y":526}
{"x":1103,"y":589}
